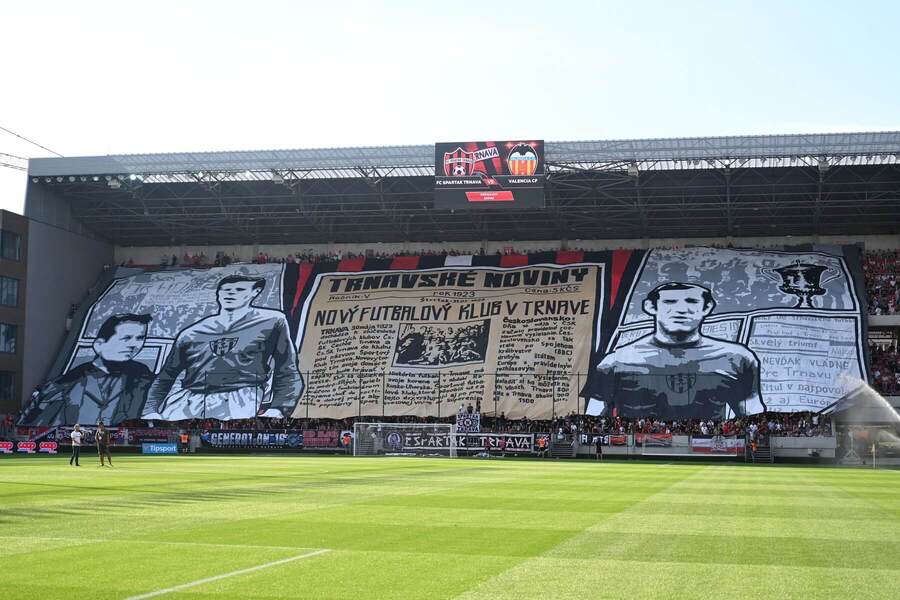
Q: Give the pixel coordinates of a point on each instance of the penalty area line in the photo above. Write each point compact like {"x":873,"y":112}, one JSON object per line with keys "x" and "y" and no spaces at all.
{"x":191,"y":584}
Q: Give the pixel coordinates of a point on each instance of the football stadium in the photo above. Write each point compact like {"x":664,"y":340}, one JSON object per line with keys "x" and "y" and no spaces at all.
{"x":516,"y":368}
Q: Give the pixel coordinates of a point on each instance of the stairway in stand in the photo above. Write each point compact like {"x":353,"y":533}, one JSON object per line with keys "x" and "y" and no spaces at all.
{"x":562,"y":449}
{"x":763,"y":454}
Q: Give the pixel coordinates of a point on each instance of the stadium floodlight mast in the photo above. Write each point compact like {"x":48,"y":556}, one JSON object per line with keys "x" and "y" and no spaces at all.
{"x":405,"y":439}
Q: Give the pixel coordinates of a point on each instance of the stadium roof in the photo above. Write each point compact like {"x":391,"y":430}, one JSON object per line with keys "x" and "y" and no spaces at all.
{"x":682,"y":187}
{"x":880,"y":147}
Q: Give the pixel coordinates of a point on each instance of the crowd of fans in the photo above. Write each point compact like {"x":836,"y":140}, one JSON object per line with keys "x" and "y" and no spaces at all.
{"x":782,"y":424}
{"x":885,"y":369}
{"x":7,"y":424}
{"x":882,"y":270}
{"x":309,"y":255}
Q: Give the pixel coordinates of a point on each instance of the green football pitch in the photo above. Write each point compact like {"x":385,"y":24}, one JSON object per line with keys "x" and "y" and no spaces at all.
{"x":340,"y":527}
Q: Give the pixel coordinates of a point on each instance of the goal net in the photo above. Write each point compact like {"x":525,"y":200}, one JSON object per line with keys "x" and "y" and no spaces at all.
{"x":404,"y":439}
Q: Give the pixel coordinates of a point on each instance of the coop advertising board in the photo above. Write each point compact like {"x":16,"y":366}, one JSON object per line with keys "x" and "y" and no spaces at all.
{"x":498,"y":174}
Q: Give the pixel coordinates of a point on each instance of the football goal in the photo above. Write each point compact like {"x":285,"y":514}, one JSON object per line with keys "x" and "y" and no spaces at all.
{"x":404,"y":439}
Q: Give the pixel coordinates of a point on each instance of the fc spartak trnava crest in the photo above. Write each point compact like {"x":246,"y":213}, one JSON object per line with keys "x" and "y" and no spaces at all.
{"x":459,"y":163}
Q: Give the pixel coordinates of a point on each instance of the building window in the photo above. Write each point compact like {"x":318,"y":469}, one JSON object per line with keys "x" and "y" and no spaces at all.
{"x":7,"y":338}
{"x":10,"y":245}
{"x":7,"y":386}
{"x":9,"y":291}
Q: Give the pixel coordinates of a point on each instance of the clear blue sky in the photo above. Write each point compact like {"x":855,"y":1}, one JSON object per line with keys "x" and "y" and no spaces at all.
{"x":123,"y":77}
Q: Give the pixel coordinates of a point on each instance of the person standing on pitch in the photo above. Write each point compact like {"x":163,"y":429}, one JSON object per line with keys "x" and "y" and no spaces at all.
{"x":76,"y":445}
{"x":102,"y":437}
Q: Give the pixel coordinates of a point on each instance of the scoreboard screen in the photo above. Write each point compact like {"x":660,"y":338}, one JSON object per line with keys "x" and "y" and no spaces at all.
{"x":508,"y":174}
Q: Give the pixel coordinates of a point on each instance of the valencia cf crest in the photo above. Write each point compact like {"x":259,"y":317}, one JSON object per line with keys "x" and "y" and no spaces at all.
{"x":222,"y":346}
{"x":681,"y":383}
{"x":522,"y":160}
{"x":459,"y":163}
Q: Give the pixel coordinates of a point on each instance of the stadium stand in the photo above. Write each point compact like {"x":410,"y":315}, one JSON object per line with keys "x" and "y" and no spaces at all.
{"x":347,"y":210}
{"x":882,"y":271}
{"x":885,"y":369}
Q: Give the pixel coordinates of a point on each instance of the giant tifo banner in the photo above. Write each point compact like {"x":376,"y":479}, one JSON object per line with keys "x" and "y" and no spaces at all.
{"x":424,"y":342}
{"x":176,"y":345}
{"x":711,"y":332}
{"x":696,"y":332}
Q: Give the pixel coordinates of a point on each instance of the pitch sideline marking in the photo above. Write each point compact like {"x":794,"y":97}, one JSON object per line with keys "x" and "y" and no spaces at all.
{"x":182,"y":586}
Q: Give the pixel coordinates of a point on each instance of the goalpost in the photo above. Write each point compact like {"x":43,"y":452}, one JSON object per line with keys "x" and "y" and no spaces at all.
{"x":404,"y":439}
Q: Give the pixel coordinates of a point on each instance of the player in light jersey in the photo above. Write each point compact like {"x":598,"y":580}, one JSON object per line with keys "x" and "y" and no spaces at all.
{"x":76,"y":445}
{"x":227,"y":361}
{"x":677,"y":372}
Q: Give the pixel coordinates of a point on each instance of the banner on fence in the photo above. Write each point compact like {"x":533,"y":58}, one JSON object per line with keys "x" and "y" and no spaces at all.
{"x":251,"y":439}
{"x":321,"y":438}
{"x":717,"y":444}
{"x":468,"y":422}
{"x":515,"y":442}
{"x":611,"y":439}
{"x":660,"y":440}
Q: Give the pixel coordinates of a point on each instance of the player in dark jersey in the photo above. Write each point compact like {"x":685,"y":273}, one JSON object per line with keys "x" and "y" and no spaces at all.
{"x":101,"y":437}
{"x":677,"y":372}
{"x":234,"y":364}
